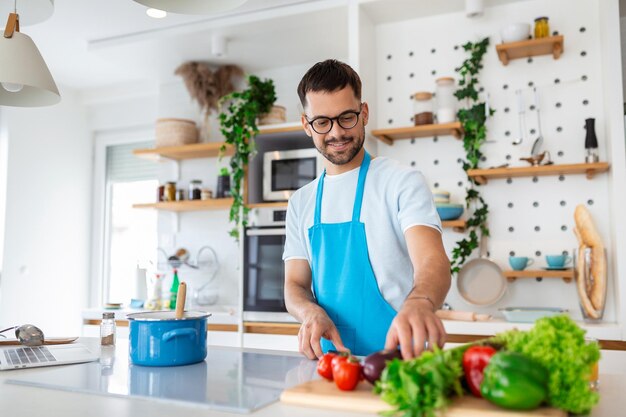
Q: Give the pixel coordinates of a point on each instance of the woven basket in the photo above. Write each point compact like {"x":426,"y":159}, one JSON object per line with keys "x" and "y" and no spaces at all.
{"x":175,"y":132}
{"x":277,"y":114}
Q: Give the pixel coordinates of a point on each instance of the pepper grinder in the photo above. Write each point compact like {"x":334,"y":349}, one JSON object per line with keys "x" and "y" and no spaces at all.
{"x":591,"y":141}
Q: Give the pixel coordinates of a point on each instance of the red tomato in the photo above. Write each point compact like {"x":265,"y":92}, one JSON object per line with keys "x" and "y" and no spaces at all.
{"x":475,"y":359}
{"x":324,"y":367}
{"x":337,"y":360}
{"x":347,"y":374}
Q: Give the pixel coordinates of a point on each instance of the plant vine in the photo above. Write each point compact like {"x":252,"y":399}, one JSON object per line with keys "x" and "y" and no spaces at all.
{"x":238,"y":125}
{"x":473,"y":118}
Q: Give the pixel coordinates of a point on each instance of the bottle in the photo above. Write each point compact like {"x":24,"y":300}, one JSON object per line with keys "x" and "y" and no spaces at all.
{"x":542,"y":27}
{"x":107,"y":329}
{"x":174,"y":290}
{"x":446,"y":101}
{"x":154,"y":302}
{"x":423,"y":108}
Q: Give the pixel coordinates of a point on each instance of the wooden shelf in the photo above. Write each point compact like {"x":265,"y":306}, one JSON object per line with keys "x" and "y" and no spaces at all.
{"x":531,"y":47}
{"x":196,"y":150}
{"x":457,"y":225}
{"x":389,"y":135}
{"x":281,"y":128}
{"x":189,"y":205}
{"x":482,"y":175}
{"x":566,"y":274}
{"x":268,"y":205}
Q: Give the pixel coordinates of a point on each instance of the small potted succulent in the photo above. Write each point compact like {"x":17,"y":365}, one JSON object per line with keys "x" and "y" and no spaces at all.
{"x":223,"y":184}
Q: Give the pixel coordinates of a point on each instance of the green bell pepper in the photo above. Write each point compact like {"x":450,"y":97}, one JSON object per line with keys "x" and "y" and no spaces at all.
{"x":512,"y":380}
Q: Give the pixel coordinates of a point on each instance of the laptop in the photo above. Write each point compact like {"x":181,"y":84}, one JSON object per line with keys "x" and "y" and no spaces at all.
{"x":18,"y":357}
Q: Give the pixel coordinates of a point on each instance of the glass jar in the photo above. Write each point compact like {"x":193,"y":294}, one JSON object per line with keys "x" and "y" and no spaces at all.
{"x":180,"y":194}
{"x":170,"y":191}
{"x":195,"y":190}
{"x":107,"y":329}
{"x":542,"y":27}
{"x":423,"y":108}
{"x":206,"y":194}
{"x":446,"y":102}
{"x":160,"y":193}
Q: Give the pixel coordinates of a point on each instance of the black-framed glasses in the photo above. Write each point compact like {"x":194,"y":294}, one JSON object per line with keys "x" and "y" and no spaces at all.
{"x":347,"y":120}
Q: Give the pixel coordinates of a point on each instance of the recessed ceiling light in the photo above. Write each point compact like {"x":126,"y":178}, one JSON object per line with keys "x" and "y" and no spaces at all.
{"x":156,"y":13}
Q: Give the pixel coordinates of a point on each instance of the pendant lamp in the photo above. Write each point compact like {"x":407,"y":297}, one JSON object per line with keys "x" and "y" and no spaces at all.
{"x":25,"y":80}
{"x":192,"y":6}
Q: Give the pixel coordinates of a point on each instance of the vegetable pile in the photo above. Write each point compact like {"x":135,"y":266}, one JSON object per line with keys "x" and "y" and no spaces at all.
{"x":550,"y":364}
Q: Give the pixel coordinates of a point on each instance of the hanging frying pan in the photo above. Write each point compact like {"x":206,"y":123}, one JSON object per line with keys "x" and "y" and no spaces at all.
{"x":481,"y":281}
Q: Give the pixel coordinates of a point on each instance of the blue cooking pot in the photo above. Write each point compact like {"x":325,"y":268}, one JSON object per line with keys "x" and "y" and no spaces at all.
{"x":158,"y":338}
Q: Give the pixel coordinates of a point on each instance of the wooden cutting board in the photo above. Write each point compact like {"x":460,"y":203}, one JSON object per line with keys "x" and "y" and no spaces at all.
{"x":320,"y":393}
{"x":50,"y":341}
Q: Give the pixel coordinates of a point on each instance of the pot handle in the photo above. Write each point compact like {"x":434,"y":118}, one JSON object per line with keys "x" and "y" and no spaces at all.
{"x":190,"y":333}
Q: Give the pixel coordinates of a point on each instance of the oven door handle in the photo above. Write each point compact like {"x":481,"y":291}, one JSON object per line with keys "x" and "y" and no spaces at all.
{"x":266,"y":232}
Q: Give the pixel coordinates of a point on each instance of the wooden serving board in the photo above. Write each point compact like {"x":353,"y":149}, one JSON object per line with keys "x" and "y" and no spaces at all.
{"x":50,"y":341}
{"x":320,"y":393}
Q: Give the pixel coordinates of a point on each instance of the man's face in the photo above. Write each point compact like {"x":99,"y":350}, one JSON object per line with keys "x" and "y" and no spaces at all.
{"x":339,"y":145}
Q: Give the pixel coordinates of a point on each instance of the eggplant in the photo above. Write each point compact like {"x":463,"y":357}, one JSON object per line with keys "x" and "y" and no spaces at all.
{"x":374,"y":364}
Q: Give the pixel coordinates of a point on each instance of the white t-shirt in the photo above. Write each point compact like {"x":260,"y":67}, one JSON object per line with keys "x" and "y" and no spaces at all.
{"x":395,"y":198}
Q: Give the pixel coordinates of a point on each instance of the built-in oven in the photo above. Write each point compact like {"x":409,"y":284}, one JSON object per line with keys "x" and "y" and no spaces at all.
{"x":264,"y":270}
{"x":286,"y":171}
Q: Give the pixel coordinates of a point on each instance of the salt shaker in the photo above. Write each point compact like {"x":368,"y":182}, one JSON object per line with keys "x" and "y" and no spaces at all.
{"x":107,"y":329}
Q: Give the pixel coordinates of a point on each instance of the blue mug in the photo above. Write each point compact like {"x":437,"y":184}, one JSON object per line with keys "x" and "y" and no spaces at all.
{"x":558,"y":261}
{"x":518,"y":263}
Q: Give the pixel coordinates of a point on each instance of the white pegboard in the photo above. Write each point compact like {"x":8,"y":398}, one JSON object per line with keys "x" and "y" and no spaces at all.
{"x":528,"y":216}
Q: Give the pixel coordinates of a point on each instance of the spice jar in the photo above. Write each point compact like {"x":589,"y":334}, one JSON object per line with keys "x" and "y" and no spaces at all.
{"x":107,"y":329}
{"x":180,"y":194}
{"x":195,"y":190}
{"x":542,"y":27}
{"x":423,"y":108}
{"x":446,"y":102}
{"x":206,"y":194}
{"x":160,"y":193}
{"x":170,"y":191}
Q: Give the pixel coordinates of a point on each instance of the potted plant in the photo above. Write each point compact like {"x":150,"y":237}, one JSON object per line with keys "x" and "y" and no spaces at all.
{"x":238,"y":124}
{"x":223,"y":184}
{"x":473,"y":119}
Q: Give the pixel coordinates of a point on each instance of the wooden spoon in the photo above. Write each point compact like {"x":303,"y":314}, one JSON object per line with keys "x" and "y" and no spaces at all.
{"x":180,"y":300}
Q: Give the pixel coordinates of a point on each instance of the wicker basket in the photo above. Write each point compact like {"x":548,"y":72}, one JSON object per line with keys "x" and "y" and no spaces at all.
{"x":277,"y":114}
{"x":175,"y":132}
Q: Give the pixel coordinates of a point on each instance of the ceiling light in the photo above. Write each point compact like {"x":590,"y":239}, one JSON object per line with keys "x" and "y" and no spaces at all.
{"x":156,"y":13}
{"x":24,"y":75}
{"x":218,"y":45}
{"x":192,"y":6}
{"x":31,"y":11}
{"x":474,"y":8}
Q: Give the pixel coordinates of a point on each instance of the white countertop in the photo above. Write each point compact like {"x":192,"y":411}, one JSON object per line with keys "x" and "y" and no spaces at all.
{"x":28,"y":401}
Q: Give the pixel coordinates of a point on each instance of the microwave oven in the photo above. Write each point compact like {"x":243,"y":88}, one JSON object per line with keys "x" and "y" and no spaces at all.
{"x":284,"y":172}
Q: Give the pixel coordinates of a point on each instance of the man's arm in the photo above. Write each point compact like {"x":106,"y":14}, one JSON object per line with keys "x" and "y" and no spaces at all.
{"x":301,"y":304}
{"x":416,"y":321}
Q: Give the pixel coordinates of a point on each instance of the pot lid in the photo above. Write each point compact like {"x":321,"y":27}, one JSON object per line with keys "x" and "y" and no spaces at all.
{"x":167,"y":315}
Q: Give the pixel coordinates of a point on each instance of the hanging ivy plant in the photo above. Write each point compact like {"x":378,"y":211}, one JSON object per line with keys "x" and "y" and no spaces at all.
{"x":238,"y":125}
{"x":473,"y":118}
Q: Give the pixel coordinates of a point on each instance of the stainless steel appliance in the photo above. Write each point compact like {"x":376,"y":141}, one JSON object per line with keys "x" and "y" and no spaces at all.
{"x":286,"y":171}
{"x":264,"y":271}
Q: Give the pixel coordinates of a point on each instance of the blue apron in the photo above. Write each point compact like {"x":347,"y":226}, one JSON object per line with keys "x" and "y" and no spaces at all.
{"x":343,"y":280}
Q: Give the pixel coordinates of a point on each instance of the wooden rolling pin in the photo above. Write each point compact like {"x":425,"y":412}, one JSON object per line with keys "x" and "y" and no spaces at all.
{"x":180,"y":300}
{"x":462,"y":315}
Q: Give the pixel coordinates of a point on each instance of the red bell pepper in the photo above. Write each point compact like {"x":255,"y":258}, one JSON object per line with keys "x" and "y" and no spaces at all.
{"x":475,"y":359}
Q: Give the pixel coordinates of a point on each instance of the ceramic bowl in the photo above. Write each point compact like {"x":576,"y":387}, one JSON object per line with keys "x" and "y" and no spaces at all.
{"x":515,"y":32}
{"x":529,"y":314}
{"x":449,"y":211}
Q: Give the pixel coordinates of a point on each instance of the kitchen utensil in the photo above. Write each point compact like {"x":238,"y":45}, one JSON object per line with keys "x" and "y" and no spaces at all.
{"x":320,"y":393}
{"x":529,"y":314}
{"x":515,"y":32}
{"x":206,"y":295}
{"x":539,"y":141}
{"x":180,"y":300}
{"x":158,"y":338}
{"x":521,"y":113}
{"x":462,"y":315}
{"x":591,"y":142}
{"x":27,"y":334}
{"x":481,"y":281}
{"x":537,"y":159}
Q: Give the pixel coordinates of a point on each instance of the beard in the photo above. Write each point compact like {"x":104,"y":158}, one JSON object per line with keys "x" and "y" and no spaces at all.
{"x":351,"y":145}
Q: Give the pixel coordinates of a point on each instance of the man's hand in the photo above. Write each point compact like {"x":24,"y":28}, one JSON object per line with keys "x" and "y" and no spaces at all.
{"x":317,"y":324}
{"x":415,"y":324}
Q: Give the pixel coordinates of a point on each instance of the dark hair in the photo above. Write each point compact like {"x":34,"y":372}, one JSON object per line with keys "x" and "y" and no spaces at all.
{"x":330,"y":75}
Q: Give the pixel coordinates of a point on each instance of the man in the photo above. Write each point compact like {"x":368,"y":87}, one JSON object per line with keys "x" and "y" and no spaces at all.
{"x":365,"y":267}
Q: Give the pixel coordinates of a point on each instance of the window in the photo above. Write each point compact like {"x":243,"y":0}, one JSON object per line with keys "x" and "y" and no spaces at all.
{"x":128,"y":236}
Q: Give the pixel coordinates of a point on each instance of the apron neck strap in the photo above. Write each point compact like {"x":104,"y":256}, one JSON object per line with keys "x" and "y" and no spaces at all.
{"x":358,"y":199}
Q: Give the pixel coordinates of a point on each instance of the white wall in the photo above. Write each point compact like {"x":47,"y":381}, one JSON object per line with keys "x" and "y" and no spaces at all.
{"x":622,"y":26}
{"x":46,"y":242}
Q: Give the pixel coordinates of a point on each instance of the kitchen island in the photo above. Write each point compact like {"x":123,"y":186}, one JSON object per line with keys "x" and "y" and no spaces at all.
{"x":241,"y":377}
